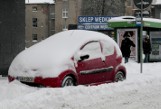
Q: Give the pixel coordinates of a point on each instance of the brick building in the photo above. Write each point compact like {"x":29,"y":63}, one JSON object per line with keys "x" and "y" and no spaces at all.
{"x":40,"y":20}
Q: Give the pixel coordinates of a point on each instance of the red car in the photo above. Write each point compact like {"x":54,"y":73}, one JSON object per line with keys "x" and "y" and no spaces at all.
{"x":74,"y":57}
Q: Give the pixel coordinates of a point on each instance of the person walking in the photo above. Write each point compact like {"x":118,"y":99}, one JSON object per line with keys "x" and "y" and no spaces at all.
{"x":126,"y":45}
{"x":146,"y":48}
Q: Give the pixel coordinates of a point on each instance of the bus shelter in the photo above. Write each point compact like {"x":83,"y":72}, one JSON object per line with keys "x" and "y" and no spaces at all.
{"x":130,"y":25}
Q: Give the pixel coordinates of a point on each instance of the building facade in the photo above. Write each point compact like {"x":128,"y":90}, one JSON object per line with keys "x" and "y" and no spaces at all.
{"x":129,"y":11}
{"x":46,"y":18}
{"x":156,"y":9}
{"x":40,"y":21}
{"x":12,"y":31}
{"x":67,"y":12}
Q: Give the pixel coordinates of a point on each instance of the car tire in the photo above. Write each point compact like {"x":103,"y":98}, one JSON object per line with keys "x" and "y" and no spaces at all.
{"x":119,"y":76}
{"x":68,"y":81}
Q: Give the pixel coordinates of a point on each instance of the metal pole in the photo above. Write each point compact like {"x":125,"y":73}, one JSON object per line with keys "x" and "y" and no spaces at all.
{"x":141,"y":42}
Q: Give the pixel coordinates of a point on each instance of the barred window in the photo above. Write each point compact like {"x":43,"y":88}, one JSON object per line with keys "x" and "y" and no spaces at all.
{"x":34,"y":22}
{"x":34,"y":38}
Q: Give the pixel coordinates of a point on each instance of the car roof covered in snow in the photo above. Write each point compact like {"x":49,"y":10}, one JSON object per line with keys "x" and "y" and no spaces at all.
{"x":56,"y":50}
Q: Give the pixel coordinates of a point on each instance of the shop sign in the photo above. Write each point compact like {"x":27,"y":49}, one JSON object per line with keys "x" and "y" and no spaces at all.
{"x":93,"y":22}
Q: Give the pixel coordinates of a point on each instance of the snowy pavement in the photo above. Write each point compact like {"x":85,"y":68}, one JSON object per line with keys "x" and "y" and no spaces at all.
{"x":138,"y":91}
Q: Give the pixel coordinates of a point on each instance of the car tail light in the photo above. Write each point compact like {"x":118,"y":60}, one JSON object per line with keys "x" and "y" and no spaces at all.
{"x":10,"y":78}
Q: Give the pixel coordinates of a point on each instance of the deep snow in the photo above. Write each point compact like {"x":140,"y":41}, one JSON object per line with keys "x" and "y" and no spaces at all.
{"x":138,"y":91}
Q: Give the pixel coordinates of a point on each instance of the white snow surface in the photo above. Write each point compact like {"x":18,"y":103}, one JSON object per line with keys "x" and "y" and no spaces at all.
{"x":122,"y":19}
{"x":131,"y":19}
{"x":53,"y":55}
{"x":138,"y":91}
{"x":39,"y":1}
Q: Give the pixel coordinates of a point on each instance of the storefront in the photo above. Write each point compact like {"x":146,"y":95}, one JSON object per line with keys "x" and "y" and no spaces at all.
{"x":129,"y":25}
{"x":95,"y":23}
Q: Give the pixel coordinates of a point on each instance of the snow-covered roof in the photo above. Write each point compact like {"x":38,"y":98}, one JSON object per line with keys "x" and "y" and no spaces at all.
{"x":39,"y":1}
{"x":132,"y":18}
{"x":122,"y":19}
{"x":152,"y":20}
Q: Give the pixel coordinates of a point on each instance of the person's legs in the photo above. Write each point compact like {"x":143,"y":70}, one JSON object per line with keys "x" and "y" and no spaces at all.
{"x":146,"y":58}
{"x":126,"y":59}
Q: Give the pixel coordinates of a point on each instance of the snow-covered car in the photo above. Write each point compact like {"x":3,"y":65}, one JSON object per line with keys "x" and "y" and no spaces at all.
{"x":74,"y":57}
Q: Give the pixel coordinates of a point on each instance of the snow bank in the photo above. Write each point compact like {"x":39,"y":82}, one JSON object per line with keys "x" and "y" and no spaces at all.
{"x":138,"y":91}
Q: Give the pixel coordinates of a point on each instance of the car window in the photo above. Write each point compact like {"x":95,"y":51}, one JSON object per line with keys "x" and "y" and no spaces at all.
{"x":108,"y":48}
{"x":93,"y":49}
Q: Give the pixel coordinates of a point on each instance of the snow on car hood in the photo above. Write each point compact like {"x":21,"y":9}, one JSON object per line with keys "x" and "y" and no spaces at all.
{"x":53,"y":55}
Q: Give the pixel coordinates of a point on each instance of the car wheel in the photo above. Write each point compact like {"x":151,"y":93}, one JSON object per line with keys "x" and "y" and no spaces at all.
{"x":68,"y":81}
{"x":119,"y":76}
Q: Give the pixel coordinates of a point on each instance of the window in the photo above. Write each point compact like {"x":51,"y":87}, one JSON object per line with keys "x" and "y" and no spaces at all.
{"x":34,"y":22}
{"x":93,"y":49}
{"x":64,"y":13}
{"x":34,"y":37}
{"x":108,"y":48}
{"x":52,"y":15}
{"x":34,"y":9}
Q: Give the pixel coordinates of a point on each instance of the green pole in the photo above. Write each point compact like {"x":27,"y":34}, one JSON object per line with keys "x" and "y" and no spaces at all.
{"x":141,"y":42}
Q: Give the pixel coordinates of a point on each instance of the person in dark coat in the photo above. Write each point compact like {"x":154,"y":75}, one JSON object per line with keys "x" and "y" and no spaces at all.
{"x":146,"y":48}
{"x":126,"y":44}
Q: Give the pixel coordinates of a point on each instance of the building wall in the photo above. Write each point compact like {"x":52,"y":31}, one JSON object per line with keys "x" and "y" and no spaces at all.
{"x":129,"y":7}
{"x":12,"y":31}
{"x":58,"y":16}
{"x":73,"y":11}
{"x":157,"y":11}
{"x":45,"y":15}
{"x":76,"y":8}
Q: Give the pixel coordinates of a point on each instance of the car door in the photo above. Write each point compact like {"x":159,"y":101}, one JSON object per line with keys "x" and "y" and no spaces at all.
{"x":108,"y":50}
{"x":92,"y":68}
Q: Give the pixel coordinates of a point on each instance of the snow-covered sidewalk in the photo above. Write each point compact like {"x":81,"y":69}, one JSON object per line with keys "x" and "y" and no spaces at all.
{"x":138,"y":91}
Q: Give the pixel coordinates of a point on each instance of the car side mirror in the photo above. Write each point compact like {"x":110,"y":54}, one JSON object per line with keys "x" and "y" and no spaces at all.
{"x":80,"y":56}
{"x":83,"y":57}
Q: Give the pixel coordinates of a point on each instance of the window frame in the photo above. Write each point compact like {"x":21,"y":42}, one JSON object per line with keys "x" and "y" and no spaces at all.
{"x":34,"y":38}
{"x":34,"y":9}
{"x":93,"y":56}
{"x":65,"y":13}
{"x":34,"y":22}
